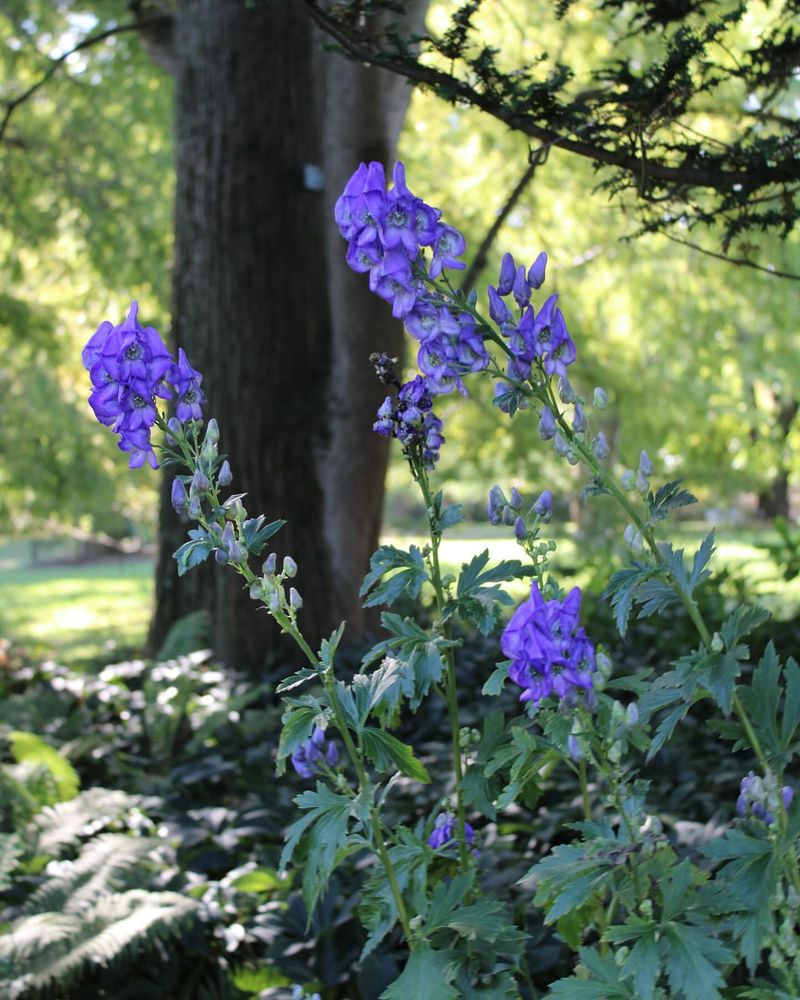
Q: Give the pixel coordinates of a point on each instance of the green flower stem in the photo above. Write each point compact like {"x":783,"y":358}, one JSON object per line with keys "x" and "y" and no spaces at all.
{"x":451,"y":689}
{"x":587,"y":802}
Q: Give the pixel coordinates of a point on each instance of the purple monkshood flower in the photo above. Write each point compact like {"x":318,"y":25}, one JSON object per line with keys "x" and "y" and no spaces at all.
{"x":508,"y":272}
{"x":549,"y":651}
{"x":309,"y":756}
{"x":753,"y":798}
{"x":410,"y":419}
{"x":444,"y":832}
{"x":544,"y":505}
{"x":130,"y":368}
{"x":537,"y":270}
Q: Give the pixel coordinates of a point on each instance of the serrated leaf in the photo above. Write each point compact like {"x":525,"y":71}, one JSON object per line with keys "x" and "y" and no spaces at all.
{"x":643,"y":965}
{"x":427,"y":974}
{"x":692,"y":961}
{"x":257,"y":534}
{"x":382,"y":748}
{"x":494,"y":685}
{"x":193,"y":552}
{"x":298,"y":723}
{"x":450,"y":516}
{"x":296,"y":679}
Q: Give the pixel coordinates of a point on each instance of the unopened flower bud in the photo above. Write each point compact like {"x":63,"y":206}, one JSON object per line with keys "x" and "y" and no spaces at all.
{"x":547,"y":424}
{"x":270,"y":565}
{"x":574,"y":747}
{"x":642,"y":484}
{"x":274,"y":601}
{"x":717,"y":644}
{"x":225,"y":476}
{"x":787,"y":794}
{"x":195,"y":508}
{"x":579,"y":424}
{"x":560,"y":445}
{"x":174,"y":430}
{"x":537,"y":271}
{"x":178,"y":496}
{"x":600,"y":398}
{"x":544,"y":505}
{"x":289,"y":567}
{"x":212,"y":431}
{"x":508,"y":515}
{"x":600,"y":446}
{"x":295,"y":599}
{"x":519,"y":528}
{"x":221,"y":556}
{"x":628,"y":479}
{"x":565,"y":391}
{"x":516,"y":499}
{"x":200,"y":483}
{"x":645,"y":465}
{"x":257,"y":590}
{"x":521,"y":288}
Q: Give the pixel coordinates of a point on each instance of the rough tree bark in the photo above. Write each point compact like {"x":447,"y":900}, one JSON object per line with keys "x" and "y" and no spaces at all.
{"x":265,"y":308}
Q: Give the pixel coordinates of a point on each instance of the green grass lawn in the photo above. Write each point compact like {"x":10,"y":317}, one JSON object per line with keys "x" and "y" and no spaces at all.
{"x":81,"y":613}
{"x":77,"y":613}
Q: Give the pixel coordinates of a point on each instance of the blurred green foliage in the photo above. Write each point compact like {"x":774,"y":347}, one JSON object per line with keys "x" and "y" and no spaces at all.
{"x":697,"y":355}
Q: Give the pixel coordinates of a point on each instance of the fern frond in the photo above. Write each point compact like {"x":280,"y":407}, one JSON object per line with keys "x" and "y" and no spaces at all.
{"x":101,"y":868}
{"x":188,"y":634}
{"x":67,"y":822}
{"x":52,"y":949}
{"x":30,"y":749}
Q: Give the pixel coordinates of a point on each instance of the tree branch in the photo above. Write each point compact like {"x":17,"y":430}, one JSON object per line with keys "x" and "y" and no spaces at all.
{"x":358,"y":45}
{"x":479,"y":261}
{"x":12,"y":104}
{"x":738,"y":261}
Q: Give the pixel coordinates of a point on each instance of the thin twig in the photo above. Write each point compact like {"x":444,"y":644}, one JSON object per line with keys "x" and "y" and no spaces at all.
{"x":12,"y":104}
{"x":738,"y":261}
{"x":479,"y":261}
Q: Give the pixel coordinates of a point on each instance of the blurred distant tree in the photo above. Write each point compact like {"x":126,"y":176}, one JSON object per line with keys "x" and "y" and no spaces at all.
{"x":687,"y":111}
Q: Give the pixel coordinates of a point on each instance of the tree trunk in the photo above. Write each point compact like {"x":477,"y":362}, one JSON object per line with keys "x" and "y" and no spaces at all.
{"x":265,"y":308}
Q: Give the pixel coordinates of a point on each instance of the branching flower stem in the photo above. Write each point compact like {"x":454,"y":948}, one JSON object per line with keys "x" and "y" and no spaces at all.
{"x":191,"y":457}
{"x":451,"y":691}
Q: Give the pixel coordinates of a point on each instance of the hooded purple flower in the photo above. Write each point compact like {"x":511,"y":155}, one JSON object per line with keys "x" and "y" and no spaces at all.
{"x":307,"y":758}
{"x":549,"y":651}
{"x":187,"y":388}
{"x":444,"y":832}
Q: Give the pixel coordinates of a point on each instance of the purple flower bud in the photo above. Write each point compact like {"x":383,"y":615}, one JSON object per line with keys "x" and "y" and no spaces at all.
{"x":521,"y":288}
{"x":270,"y":565}
{"x":544,"y":505}
{"x":579,"y":424}
{"x":600,"y":446}
{"x":295,"y":599}
{"x":565,"y":391}
{"x":494,"y":513}
{"x":498,"y":310}
{"x":547,"y":424}
{"x":508,"y":515}
{"x":175,"y":430}
{"x":496,"y":497}
{"x":508,"y":273}
{"x":645,"y":465}
{"x":562,"y":449}
{"x":787,"y":794}
{"x":519,"y":528}
{"x":225,"y":475}
{"x":221,"y":556}
{"x":200,"y":483}
{"x":195,"y":508}
{"x":574,"y":747}
{"x":516,"y":498}
{"x":274,"y":601}
{"x":289,"y":567}
{"x":178,"y":496}
{"x":537,"y":269}
{"x":600,"y":398}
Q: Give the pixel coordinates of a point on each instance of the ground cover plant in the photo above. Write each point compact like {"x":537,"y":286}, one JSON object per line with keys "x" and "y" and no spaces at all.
{"x":623,"y":887}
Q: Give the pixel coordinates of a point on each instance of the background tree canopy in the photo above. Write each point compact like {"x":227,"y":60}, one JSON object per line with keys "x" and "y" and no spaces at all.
{"x":611,"y":120}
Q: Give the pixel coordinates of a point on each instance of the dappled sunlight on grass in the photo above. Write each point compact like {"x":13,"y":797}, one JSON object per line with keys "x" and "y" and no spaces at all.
{"x":78,"y":612}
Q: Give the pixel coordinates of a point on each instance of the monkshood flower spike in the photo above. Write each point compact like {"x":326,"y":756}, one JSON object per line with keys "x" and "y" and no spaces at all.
{"x":309,"y":757}
{"x":550,"y":653}
{"x":130,"y":369}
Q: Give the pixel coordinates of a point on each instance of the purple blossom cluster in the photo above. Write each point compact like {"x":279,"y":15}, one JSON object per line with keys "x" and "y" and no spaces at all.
{"x":549,"y":651}
{"x":130,"y":368}
{"x":533,"y":336}
{"x":753,"y":798}
{"x":444,"y":832}
{"x":307,"y":758}
{"x":411,"y":420}
{"x":391,"y":234}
